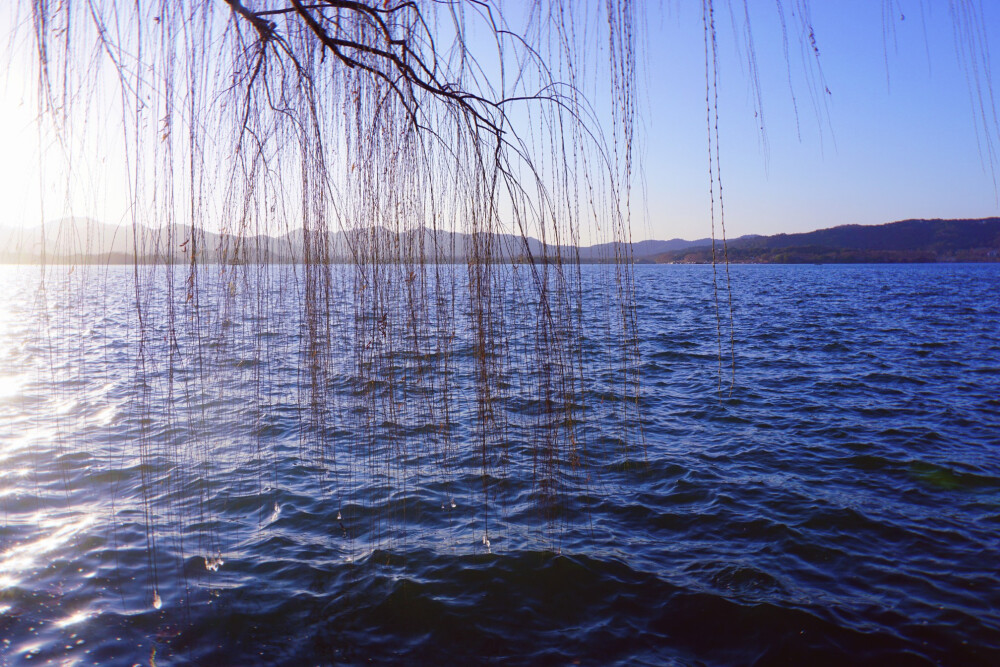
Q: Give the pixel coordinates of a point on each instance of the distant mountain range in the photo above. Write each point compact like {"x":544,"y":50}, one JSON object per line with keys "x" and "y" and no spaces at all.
{"x":903,"y":241}
{"x":85,"y":241}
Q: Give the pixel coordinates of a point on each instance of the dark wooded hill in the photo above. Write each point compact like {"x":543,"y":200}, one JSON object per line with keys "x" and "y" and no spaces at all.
{"x":903,"y":241}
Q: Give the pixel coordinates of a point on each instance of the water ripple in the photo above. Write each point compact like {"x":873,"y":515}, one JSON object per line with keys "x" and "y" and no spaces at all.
{"x":841,"y":506}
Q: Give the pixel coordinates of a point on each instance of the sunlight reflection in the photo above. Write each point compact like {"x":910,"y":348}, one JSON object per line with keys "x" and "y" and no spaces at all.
{"x":11,"y":385}
{"x":107,"y":415}
{"x":66,"y":406}
{"x":35,"y":438}
{"x":73,"y":618}
{"x":23,"y":558}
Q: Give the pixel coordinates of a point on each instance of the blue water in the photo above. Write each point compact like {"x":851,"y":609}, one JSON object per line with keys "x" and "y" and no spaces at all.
{"x":840,"y":505}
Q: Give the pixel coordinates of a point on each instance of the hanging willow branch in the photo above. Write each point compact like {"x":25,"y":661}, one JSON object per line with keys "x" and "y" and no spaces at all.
{"x":406,"y":184}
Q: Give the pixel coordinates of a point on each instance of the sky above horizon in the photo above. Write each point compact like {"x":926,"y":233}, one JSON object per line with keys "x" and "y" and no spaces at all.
{"x":897,"y":136}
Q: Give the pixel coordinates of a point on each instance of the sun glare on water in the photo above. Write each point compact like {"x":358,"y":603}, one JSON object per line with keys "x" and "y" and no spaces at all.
{"x":10,"y":385}
{"x":10,"y":382}
{"x":55,"y":531}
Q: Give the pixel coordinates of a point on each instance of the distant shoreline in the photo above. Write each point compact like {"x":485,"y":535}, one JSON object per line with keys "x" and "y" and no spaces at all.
{"x":74,"y":241}
{"x":458,"y":262}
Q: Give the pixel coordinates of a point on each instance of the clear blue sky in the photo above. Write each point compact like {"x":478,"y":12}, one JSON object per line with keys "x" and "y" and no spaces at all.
{"x":895,"y":138}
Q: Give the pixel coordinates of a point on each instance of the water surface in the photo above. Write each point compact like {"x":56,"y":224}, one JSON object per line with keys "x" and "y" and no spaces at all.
{"x":841,"y":505}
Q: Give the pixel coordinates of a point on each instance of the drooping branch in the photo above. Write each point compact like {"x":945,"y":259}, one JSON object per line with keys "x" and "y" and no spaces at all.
{"x":440,"y":167}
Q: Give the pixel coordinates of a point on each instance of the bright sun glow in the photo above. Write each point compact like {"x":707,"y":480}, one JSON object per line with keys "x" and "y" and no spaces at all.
{"x":35,"y":183}
{"x":19,"y":184}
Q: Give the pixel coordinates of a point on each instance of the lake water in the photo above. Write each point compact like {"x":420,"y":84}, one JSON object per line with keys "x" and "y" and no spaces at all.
{"x":840,"y":506}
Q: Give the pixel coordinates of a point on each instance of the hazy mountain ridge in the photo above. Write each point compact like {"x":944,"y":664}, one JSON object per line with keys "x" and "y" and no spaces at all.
{"x":86,"y":241}
{"x":917,"y":240}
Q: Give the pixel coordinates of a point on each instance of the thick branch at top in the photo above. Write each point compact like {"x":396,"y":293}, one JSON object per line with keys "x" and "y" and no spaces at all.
{"x":392,"y":58}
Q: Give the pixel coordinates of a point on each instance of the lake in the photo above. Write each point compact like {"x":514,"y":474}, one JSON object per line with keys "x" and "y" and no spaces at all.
{"x":830,"y":495}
